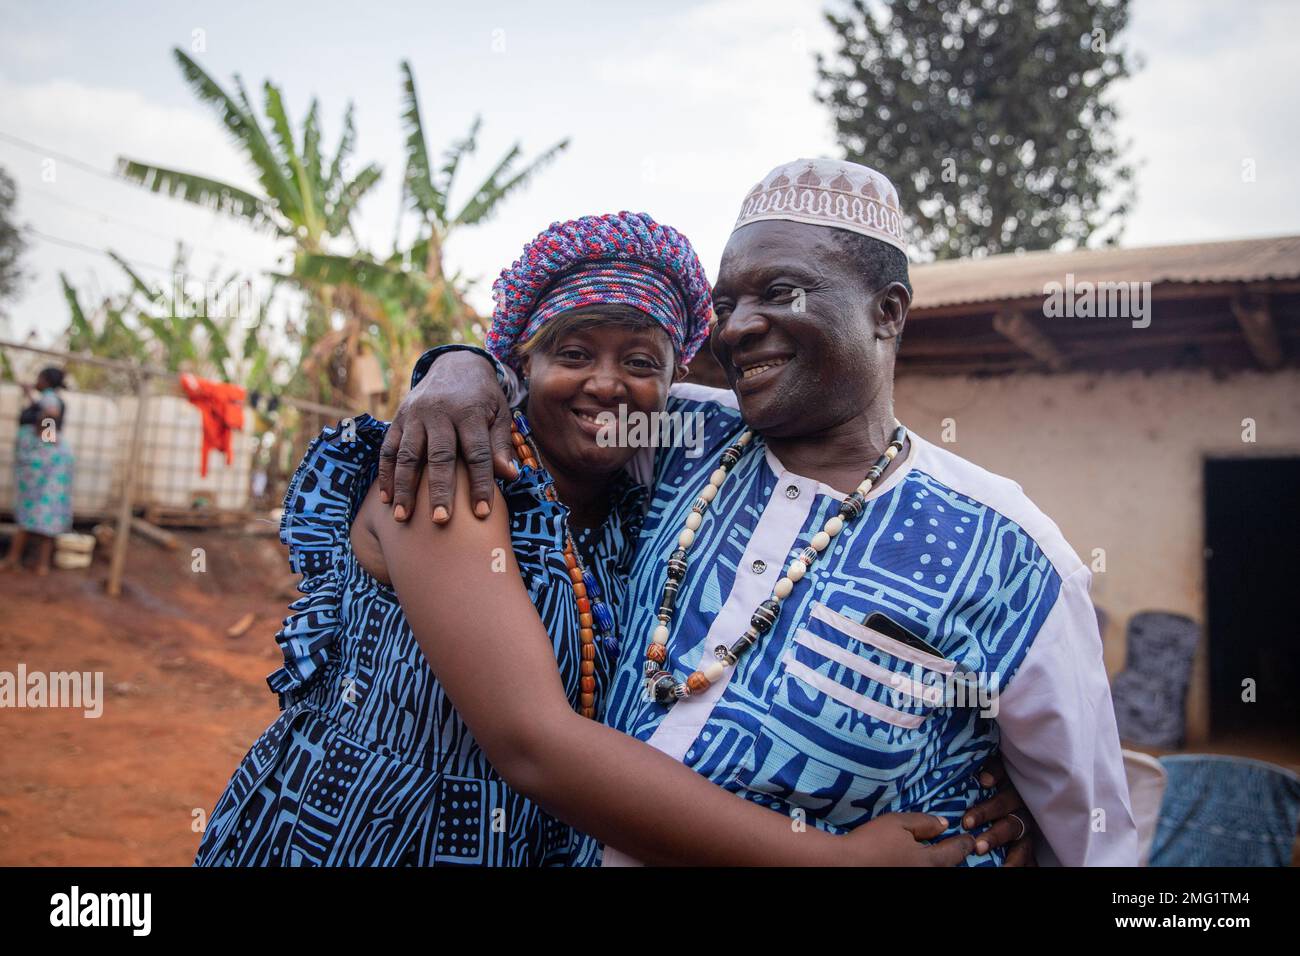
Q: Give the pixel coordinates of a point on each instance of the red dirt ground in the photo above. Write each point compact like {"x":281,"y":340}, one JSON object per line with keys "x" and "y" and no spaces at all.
{"x":182,"y":701}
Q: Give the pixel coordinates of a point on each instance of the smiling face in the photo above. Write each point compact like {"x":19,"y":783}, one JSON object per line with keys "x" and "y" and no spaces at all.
{"x":594,"y":365}
{"x":804,"y":338}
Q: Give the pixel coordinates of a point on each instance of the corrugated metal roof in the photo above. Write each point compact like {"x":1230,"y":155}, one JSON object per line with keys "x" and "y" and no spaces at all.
{"x":1024,"y":275}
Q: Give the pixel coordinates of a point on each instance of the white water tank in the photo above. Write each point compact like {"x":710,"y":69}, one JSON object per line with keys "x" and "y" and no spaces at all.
{"x":167,"y":474}
{"x":91,"y":433}
{"x":98,"y":432}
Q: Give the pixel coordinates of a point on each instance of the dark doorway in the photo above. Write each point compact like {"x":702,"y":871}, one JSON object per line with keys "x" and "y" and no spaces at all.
{"x":1252,"y":538}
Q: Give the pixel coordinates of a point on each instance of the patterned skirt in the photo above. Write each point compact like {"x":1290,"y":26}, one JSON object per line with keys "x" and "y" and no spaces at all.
{"x":44,"y":483}
{"x":369,"y":764}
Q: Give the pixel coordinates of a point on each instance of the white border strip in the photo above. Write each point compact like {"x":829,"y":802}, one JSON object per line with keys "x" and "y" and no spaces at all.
{"x":930,"y":696}
{"x":849,"y":698}
{"x":868,"y":635}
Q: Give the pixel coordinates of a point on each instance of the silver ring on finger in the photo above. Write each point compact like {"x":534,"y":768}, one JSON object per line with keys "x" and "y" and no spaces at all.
{"x":1023,"y":828}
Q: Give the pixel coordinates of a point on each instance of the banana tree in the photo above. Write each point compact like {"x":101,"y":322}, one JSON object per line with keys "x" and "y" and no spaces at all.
{"x":196,"y":326}
{"x":407,"y":301}
{"x":303,"y":198}
{"x":398,"y":309}
{"x":428,"y":194}
{"x":207,"y":328}
{"x":104,"y":332}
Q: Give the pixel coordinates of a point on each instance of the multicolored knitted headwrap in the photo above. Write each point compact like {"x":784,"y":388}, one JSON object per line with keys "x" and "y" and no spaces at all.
{"x":625,"y":258}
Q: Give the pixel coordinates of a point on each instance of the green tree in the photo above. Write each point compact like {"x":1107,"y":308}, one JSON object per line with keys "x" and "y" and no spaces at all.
{"x":213,"y":328}
{"x":12,"y":243}
{"x":12,"y":246}
{"x":991,"y":117}
{"x":303,"y":198}
{"x":104,"y":331}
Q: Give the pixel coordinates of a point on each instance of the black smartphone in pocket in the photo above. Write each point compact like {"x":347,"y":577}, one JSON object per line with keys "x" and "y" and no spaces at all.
{"x":891,"y":628}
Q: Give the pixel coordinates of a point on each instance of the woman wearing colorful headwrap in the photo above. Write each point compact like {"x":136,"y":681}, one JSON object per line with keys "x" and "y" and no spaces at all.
{"x":379,"y":758}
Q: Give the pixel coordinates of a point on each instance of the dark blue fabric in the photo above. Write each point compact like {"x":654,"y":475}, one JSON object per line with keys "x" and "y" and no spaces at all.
{"x":370,"y":764}
{"x":1226,"y":811}
{"x":1150,"y":694}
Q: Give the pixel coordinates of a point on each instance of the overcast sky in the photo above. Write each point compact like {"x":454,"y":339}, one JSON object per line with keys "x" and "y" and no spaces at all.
{"x":674,"y":108}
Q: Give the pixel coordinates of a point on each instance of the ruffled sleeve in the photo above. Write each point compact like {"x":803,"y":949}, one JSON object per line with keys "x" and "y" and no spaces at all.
{"x":323,"y":497}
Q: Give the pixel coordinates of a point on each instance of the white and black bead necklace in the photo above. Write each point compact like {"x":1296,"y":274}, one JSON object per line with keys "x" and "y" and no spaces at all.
{"x":661,"y":685}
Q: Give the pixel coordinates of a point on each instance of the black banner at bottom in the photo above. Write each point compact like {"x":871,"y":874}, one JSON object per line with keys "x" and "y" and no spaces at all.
{"x":260,"y":907}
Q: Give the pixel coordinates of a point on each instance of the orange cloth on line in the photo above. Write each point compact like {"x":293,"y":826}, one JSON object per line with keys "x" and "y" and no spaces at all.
{"x":222,"y":407}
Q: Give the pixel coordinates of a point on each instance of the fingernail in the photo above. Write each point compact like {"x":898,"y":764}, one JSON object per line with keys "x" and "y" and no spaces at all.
{"x":981,"y":847}
{"x":942,"y":821}
{"x":440,"y":514}
{"x":481,"y":509}
{"x":399,"y":513}
{"x":967,"y":822}
{"x":986,"y":779}
{"x":384,"y":496}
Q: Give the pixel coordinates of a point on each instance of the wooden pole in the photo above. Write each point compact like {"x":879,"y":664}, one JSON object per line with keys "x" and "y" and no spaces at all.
{"x":1017,"y":328}
{"x":1256,"y":320}
{"x":141,"y":375}
{"x":123,"y":536}
{"x":155,"y":534}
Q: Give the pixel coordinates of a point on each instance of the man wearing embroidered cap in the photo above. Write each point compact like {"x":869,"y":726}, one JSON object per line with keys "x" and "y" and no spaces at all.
{"x":837,"y":618}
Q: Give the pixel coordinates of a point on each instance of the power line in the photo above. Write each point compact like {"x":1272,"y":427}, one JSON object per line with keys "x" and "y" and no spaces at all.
{"x":70,"y":160}
{"x":220,"y":254}
{"x":73,"y":244}
{"x":83,"y":247}
{"x":111,"y":177}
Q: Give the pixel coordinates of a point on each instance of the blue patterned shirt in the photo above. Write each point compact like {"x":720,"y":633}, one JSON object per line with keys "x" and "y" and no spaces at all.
{"x":828,"y":717}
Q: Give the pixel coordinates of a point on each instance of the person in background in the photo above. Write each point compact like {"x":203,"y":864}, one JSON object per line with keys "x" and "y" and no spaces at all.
{"x":43,"y":472}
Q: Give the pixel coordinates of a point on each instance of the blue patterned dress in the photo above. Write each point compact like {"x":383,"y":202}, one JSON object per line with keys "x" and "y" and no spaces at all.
{"x":369,"y":763}
{"x":43,"y":468}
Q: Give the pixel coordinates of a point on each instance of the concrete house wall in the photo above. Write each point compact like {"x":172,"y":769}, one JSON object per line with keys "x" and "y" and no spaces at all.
{"x":1116,"y":460}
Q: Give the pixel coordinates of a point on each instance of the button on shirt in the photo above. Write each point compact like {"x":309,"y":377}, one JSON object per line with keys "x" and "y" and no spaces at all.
{"x":829,"y":717}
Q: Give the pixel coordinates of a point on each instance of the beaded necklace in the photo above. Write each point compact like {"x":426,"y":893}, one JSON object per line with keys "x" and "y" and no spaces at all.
{"x":661,"y":685}
{"x":594,"y":616}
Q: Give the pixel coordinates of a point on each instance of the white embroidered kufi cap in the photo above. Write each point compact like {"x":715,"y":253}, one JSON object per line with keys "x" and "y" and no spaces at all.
{"x":828,"y":192}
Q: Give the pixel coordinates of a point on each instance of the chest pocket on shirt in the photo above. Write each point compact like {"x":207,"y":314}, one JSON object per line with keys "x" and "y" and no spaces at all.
{"x":854,"y":721}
